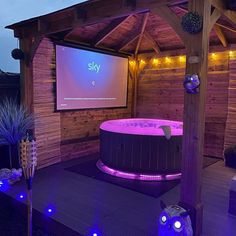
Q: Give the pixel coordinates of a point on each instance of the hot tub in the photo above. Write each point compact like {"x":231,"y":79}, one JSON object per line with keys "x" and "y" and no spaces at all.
{"x":140,"y":149}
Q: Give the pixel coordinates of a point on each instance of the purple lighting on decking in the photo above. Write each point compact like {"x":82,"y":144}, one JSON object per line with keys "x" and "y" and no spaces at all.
{"x":127,"y":175}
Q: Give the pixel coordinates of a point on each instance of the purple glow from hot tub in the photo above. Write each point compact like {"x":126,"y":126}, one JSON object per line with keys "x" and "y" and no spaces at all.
{"x":142,"y":126}
{"x":127,"y":175}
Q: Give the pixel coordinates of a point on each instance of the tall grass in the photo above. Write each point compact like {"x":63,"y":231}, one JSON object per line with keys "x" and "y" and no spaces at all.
{"x":14,"y":121}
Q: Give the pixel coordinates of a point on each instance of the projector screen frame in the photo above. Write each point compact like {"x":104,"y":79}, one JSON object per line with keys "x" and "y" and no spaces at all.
{"x":96,"y":50}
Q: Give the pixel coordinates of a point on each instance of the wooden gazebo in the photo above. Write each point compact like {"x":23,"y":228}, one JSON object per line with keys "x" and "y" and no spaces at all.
{"x":145,"y":30}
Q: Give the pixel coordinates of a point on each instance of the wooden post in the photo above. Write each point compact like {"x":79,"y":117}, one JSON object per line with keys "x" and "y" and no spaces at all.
{"x":194,"y":119}
{"x":26,"y":74}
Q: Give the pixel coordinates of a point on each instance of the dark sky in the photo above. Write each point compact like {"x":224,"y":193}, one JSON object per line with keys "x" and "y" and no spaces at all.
{"x":13,"y":11}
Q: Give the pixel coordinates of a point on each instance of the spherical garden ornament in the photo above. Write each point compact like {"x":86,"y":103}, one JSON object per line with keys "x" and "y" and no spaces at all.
{"x":192,"y":22}
{"x":17,"y":54}
{"x":191,"y":83}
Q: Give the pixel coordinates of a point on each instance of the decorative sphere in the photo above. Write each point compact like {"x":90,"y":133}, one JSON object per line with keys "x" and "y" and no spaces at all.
{"x":17,"y":54}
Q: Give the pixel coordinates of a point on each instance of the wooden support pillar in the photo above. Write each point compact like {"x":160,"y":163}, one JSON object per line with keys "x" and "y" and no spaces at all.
{"x":194,"y":118}
{"x":26,"y":77}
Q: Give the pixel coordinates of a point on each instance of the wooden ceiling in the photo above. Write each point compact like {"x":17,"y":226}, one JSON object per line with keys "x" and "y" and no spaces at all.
{"x":142,"y":32}
{"x":138,"y":32}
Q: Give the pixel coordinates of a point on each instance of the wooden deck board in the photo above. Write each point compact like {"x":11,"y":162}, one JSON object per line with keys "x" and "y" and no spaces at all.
{"x":83,"y":203}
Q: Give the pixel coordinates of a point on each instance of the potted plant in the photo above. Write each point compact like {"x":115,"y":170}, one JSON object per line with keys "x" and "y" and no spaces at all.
{"x":14,"y":123}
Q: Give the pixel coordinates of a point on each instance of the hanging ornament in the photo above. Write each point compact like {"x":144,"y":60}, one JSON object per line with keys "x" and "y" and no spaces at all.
{"x":192,"y":22}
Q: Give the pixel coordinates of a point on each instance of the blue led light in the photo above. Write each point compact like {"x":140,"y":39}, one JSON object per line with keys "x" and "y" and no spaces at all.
{"x":50,"y":210}
{"x":95,"y":234}
{"x":4,"y":185}
{"x":21,"y":196}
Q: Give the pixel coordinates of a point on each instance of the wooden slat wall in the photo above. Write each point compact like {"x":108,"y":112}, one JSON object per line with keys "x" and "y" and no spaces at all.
{"x":47,"y":124}
{"x":64,"y":135}
{"x":230,"y":131}
{"x":160,"y":95}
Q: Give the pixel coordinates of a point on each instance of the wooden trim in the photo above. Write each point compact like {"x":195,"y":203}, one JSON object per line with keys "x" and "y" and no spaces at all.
{"x":220,"y":5}
{"x":226,"y":27}
{"x":173,"y":20}
{"x":152,"y":41}
{"x":214,"y":17}
{"x":141,"y":33}
{"x":35,"y":44}
{"x":221,"y":35}
{"x":79,"y":140}
{"x":101,"y":36}
{"x":128,"y":41}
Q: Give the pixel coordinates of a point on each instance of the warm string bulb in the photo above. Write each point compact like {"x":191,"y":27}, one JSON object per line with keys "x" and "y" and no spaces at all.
{"x":142,"y":62}
{"x":155,"y":61}
{"x":132,"y":62}
{"x":182,"y":58}
{"x":167,"y":59}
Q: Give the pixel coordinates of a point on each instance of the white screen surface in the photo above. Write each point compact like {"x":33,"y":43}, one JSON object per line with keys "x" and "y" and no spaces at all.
{"x":87,"y":79}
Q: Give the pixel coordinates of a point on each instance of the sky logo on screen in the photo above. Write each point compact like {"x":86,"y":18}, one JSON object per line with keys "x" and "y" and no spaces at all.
{"x":92,"y":66}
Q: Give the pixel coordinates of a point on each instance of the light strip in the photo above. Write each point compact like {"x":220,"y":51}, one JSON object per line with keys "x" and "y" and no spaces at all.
{"x":137,"y":176}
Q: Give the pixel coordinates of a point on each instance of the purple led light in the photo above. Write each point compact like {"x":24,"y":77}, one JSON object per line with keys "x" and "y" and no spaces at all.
{"x":21,"y":196}
{"x":142,"y":126}
{"x":50,"y":210}
{"x":128,"y":175}
{"x":95,"y":234}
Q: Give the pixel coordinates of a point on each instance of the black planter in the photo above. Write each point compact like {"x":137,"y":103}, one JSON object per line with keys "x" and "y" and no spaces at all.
{"x":9,"y":156}
{"x":4,"y":157}
{"x":230,"y":157}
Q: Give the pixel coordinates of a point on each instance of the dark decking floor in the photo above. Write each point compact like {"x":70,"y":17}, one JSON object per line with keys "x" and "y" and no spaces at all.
{"x":85,"y":204}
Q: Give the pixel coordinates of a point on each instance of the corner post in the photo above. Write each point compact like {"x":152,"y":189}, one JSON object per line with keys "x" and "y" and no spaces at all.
{"x":194,"y":118}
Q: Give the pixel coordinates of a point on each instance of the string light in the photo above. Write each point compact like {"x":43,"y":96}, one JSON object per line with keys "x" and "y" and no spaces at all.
{"x":155,"y":61}
{"x":182,"y":58}
{"x":168,"y":60}
{"x":132,"y":62}
{"x":142,"y":61}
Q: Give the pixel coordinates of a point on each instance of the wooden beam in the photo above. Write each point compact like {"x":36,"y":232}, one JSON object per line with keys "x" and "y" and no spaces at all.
{"x":27,"y":91}
{"x":221,"y":35}
{"x":194,"y":119}
{"x":226,"y":27}
{"x":221,"y":6}
{"x":114,"y":25}
{"x":128,"y":41}
{"x":173,"y":20}
{"x":214,"y":17}
{"x":152,"y":41}
{"x":89,"y":13}
{"x":142,"y":32}
{"x":35,"y":44}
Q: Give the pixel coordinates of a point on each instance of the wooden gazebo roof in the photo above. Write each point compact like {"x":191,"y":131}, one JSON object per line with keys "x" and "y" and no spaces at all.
{"x":121,"y":26}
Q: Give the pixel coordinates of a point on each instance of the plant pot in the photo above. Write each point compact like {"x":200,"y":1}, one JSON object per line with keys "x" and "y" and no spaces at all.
{"x":14,"y":156}
{"x":4,"y":157}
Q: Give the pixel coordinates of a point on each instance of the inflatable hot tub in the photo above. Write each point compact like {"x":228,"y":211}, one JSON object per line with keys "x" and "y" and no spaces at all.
{"x":142,"y":149}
